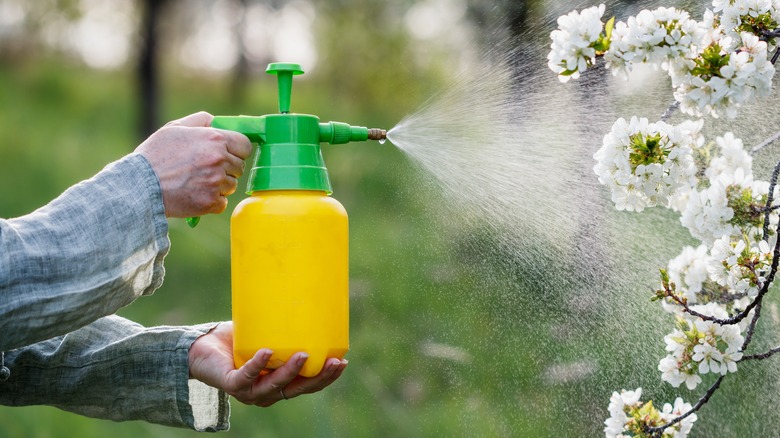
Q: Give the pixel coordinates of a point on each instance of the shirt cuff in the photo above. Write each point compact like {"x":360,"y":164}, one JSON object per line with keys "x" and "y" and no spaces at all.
{"x":152,"y":183}
{"x":210,"y":407}
{"x":202,"y":407}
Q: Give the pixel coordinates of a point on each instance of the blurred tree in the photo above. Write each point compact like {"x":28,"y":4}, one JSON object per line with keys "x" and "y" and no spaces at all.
{"x":514,"y":13}
{"x":148,"y":67}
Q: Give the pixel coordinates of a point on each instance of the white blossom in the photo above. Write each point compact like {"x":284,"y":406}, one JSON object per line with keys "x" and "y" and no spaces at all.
{"x":691,"y":128}
{"x":731,"y":156}
{"x":645,"y":164}
{"x":668,"y":38}
{"x":707,"y":214}
{"x":729,"y":360}
{"x":670,"y":368}
{"x":688,"y":271}
{"x":720,"y":345}
{"x":619,"y":403}
{"x":669,"y":413}
{"x":572,"y":48}
{"x":677,"y":367}
{"x":655,"y":37}
{"x":703,"y":88}
{"x":708,"y":356}
{"x":720,"y":209}
{"x":697,"y":346}
{"x":739,"y":267}
{"x":629,"y":415}
{"x":735,"y":13}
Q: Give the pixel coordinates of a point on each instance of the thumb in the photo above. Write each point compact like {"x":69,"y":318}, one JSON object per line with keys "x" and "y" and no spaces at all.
{"x":200,"y":119}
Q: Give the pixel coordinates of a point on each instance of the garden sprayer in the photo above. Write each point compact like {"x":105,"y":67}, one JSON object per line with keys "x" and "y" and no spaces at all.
{"x":289,"y":238}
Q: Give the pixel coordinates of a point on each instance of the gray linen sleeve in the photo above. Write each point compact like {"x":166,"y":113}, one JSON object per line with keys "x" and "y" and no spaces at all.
{"x":94,"y":249}
{"x":118,"y":370}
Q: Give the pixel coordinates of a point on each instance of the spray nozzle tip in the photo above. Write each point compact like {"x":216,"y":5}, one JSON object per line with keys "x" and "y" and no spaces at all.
{"x":377,"y":134}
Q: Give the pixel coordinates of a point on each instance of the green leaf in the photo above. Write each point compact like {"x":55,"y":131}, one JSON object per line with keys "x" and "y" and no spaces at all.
{"x":664,"y":275}
{"x":608,"y":28}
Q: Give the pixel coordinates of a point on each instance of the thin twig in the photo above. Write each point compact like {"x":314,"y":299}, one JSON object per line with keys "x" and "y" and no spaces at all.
{"x":669,"y":111}
{"x":771,"y":33}
{"x":766,"y":142}
{"x":769,"y":199}
{"x":772,"y":208}
{"x":751,"y":328}
{"x":761,"y":356}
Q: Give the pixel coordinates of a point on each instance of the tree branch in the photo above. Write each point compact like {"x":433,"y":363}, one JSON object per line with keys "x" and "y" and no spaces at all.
{"x":735,"y":319}
{"x":657,"y":431}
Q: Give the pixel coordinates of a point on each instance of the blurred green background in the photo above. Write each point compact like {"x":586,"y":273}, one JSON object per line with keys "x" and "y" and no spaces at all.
{"x":450,"y":336}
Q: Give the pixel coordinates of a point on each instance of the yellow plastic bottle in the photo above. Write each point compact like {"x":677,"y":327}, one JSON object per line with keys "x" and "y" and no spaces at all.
{"x":289,"y":239}
{"x":290,"y":275}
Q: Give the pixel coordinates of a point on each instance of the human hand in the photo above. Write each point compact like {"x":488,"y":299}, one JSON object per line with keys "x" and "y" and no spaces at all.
{"x":198,"y":166}
{"x":211,"y":362}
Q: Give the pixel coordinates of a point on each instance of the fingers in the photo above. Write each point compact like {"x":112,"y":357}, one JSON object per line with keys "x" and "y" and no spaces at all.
{"x":230,"y":184}
{"x":282,"y":377}
{"x":234,"y":166}
{"x":197,"y":166}
{"x":249,"y":372}
{"x":237,"y":144}
{"x":342,"y":365}
{"x":200,"y":119}
{"x":331,"y":371}
{"x":265,"y":389}
{"x":250,"y":384}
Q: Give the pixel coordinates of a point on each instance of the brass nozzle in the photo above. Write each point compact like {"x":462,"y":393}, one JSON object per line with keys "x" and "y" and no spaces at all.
{"x":377,"y":134}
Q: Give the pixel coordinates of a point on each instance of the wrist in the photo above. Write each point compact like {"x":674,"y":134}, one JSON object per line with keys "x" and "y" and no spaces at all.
{"x":198,"y":351}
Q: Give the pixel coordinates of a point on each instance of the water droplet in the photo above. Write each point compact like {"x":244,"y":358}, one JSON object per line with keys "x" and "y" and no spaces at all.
{"x":382,"y":140}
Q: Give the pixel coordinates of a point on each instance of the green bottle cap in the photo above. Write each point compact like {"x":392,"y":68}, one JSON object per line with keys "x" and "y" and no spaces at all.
{"x":290,"y":158}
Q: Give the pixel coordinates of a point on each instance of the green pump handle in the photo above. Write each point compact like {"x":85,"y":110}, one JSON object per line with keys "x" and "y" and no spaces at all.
{"x":284,"y":72}
{"x":289,"y":155}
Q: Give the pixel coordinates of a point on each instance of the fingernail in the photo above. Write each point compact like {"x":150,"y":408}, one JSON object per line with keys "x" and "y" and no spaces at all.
{"x":302,"y":358}
{"x":344,"y":361}
{"x":266,"y":354}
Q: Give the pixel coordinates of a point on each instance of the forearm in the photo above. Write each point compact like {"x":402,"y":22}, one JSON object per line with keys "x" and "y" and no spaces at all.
{"x":89,"y":252}
{"x":118,"y":370}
